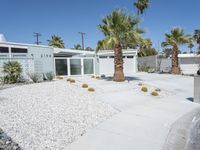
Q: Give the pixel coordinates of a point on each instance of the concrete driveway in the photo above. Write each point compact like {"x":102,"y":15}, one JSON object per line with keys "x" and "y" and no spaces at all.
{"x":143,"y":122}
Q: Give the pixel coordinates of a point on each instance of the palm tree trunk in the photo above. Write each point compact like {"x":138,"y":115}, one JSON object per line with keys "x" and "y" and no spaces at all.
{"x":175,"y":61}
{"x":118,"y":60}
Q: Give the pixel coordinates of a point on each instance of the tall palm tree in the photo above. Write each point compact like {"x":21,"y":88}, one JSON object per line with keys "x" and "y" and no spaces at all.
{"x":141,"y":5}
{"x":119,"y":28}
{"x":175,"y":38}
{"x":56,"y":41}
{"x":197,"y":38}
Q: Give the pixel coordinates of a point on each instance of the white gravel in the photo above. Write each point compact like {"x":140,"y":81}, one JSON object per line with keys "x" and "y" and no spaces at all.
{"x":49,"y":115}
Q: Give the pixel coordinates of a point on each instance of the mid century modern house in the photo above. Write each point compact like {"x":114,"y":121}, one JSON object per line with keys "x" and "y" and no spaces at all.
{"x":64,"y":62}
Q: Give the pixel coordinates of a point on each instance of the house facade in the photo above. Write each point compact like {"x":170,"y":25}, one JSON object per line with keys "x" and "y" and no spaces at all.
{"x":41,"y":59}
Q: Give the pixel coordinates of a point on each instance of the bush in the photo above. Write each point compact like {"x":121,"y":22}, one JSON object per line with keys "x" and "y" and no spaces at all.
{"x":92,"y":76}
{"x":35,"y":77}
{"x":144,"y":68}
{"x":154,"y":93}
{"x":144,"y":89}
{"x":50,"y":76}
{"x":84,"y":86}
{"x":68,"y":79}
{"x":59,"y":78}
{"x":91,"y":89}
{"x":12,"y":71}
{"x":72,"y":81}
{"x":98,"y":77}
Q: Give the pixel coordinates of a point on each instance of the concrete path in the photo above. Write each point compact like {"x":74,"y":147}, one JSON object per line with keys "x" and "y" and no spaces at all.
{"x":143,"y":122}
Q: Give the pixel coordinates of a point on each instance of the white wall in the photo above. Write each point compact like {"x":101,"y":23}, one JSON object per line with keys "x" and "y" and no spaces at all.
{"x":189,"y":68}
{"x":106,"y":66}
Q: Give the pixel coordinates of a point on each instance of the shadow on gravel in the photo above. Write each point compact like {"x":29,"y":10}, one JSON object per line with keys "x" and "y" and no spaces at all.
{"x":128,"y":78}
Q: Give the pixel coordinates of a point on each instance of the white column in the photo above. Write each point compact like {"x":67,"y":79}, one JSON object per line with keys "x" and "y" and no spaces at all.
{"x":9,"y":50}
{"x":68,"y":67}
{"x":135,"y":63}
{"x":82,"y":67}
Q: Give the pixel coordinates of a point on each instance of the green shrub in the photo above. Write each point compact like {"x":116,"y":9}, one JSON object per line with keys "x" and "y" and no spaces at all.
{"x":68,"y":79}
{"x":59,"y":78}
{"x":92,"y":76}
{"x":154,"y":93}
{"x":35,"y":77}
{"x":12,"y":71}
{"x":84,"y":86}
{"x":144,"y":68}
{"x":144,"y":89}
{"x":91,"y":89}
{"x":50,"y":76}
{"x":98,"y":77}
{"x":72,"y":81}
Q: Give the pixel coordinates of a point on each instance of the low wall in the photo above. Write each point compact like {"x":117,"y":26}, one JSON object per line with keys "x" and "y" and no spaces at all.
{"x":197,"y":89}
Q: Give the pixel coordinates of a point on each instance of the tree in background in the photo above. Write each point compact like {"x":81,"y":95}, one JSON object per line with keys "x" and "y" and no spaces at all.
{"x":146,"y":49}
{"x":119,"y":28}
{"x":175,"y":38}
{"x":190,"y":46}
{"x":77,"y":47}
{"x":197,"y":38}
{"x":56,"y":41}
{"x":89,"y":49}
{"x":141,"y":5}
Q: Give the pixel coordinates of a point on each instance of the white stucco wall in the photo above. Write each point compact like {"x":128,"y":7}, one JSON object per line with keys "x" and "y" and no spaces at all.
{"x":106,"y":66}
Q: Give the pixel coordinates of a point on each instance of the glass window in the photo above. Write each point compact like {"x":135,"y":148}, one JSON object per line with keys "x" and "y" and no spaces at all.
{"x":18,"y":50}
{"x":88,"y":66}
{"x":61,"y":67}
{"x":102,"y":56}
{"x":129,"y":56}
{"x":4,"y":50}
{"x":75,"y":66}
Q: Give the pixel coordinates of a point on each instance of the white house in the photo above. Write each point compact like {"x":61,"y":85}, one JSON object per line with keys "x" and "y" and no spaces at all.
{"x":65,"y":62}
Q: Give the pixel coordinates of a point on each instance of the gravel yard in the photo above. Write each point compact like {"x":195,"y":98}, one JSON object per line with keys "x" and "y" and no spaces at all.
{"x":49,"y":115}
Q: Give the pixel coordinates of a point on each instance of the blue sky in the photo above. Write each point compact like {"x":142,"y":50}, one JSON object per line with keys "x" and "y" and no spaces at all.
{"x":20,"y":18}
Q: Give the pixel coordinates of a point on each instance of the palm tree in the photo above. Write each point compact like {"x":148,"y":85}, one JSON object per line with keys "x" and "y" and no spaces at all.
{"x":12,"y":70}
{"x":56,"y":42}
{"x":190,"y":46}
{"x":77,"y":47}
{"x":175,"y":38}
{"x":119,"y":28}
{"x":141,"y":5}
{"x":197,"y":38}
{"x":145,"y":48}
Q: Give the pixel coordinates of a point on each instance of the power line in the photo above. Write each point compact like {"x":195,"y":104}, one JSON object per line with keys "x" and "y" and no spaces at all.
{"x":37,"y":35}
{"x":82,"y":36}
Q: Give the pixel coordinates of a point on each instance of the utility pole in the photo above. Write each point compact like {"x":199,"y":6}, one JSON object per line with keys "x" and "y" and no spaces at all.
{"x":82,"y":36}
{"x":36,"y":34}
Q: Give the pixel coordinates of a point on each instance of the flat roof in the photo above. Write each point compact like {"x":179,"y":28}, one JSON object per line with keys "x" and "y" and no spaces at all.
{"x":24,"y":44}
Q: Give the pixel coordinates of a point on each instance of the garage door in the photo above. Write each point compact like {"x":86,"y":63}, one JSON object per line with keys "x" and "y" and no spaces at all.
{"x":106,"y":66}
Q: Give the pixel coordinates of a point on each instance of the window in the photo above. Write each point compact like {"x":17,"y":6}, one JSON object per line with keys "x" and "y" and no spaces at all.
{"x":129,"y":56}
{"x":111,"y":56}
{"x":18,"y":50}
{"x":102,"y":56}
{"x":4,"y":50}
